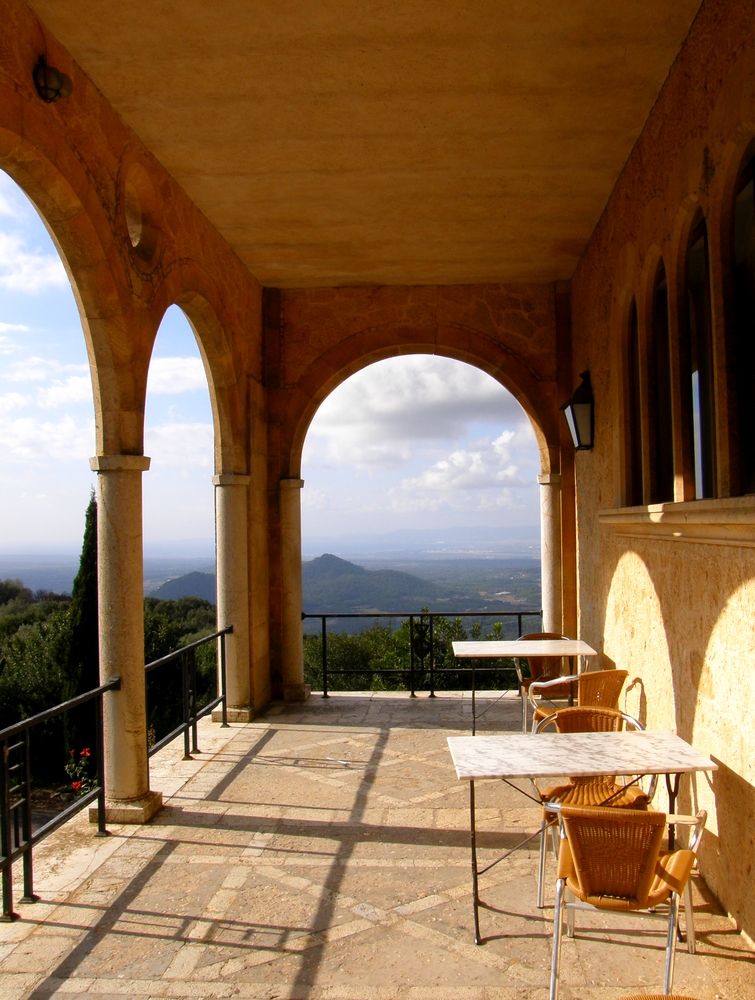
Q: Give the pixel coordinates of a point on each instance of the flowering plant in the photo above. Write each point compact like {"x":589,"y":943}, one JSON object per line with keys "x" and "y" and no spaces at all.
{"x":77,"y":771}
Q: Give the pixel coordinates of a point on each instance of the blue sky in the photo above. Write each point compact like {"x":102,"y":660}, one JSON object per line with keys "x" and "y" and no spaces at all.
{"x":406,"y":443}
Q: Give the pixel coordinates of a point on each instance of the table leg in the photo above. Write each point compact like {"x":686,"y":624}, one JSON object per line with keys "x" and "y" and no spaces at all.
{"x":473,"y":845}
{"x":673,"y":790}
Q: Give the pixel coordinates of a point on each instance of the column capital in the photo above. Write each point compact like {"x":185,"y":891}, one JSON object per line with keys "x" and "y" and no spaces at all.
{"x":550,"y":479}
{"x":119,"y":463}
{"x":231,"y":479}
{"x":293,"y":484}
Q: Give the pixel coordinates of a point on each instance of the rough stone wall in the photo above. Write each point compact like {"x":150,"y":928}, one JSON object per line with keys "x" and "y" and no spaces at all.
{"x":677,"y":613}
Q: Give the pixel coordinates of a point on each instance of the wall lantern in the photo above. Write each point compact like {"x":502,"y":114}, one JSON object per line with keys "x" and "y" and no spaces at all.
{"x":580,"y":414}
{"x":51,"y":84}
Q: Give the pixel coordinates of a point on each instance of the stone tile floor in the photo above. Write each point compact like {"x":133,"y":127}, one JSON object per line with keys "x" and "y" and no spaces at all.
{"x":322,"y":852}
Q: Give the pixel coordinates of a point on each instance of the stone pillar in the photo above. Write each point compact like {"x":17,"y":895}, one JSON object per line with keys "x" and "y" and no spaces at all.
{"x":550,"y":550}
{"x":121,"y":611}
{"x":292,"y":639}
{"x":231,"y":540}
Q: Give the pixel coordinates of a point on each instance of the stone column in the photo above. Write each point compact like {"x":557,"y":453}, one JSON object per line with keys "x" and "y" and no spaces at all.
{"x":292,"y":640}
{"x":121,"y":612}
{"x":550,"y":550}
{"x":231,"y":540}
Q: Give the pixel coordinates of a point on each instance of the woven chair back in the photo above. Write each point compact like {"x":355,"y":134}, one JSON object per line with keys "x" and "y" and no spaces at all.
{"x":544,"y":668}
{"x":601,"y":687}
{"x":588,"y":720}
{"x":614,"y":851}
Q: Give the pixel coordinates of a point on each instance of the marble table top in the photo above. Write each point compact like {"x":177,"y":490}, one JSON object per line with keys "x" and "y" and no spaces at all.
{"x":524,"y":647}
{"x":577,"y":754}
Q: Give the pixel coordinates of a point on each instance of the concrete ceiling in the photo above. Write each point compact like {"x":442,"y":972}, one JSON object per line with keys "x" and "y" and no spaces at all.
{"x":337,"y":142}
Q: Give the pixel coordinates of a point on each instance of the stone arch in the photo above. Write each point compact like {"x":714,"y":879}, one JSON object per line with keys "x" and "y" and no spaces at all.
{"x":188,"y":287}
{"x":55,"y":188}
{"x":466,"y":345}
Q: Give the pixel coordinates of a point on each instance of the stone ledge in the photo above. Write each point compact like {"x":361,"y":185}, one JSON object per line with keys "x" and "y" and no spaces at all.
{"x":132,"y":812}
{"x":724,"y":521}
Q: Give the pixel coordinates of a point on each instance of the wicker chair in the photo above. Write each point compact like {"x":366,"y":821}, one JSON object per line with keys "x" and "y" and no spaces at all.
{"x":611,"y":859}
{"x":542,"y":668}
{"x":594,"y":687}
{"x":593,"y":791}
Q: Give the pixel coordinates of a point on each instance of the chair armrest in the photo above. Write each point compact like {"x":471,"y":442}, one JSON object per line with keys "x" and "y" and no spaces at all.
{"x":698,"y":822}
{"x":544,"y":685}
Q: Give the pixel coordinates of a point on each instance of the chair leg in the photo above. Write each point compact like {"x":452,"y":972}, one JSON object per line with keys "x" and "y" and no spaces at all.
{"x":556,"y":957}
{"x":570,"y":914}
{"x":541,"y":870}
{"x":524,"y":711}
{"x":689,"y":918}
{"x":673,"y":916}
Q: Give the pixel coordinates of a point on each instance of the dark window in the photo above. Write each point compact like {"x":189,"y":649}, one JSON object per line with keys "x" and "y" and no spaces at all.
{"x":743,"y":332}
{"x":634,"y":413}
{"x":659,"y":384}
{"x":698,"y":364}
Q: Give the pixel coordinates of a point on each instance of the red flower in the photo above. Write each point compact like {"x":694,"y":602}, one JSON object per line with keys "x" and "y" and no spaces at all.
{"x":86,"y":752}
{"x":72,"y":752}
{"x":76,"y":785}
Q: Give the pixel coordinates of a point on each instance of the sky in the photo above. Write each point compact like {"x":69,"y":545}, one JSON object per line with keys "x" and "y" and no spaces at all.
{"x":410,"y":442}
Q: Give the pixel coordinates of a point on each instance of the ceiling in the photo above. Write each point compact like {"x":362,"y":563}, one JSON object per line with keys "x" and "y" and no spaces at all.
{"x":417,"y":142}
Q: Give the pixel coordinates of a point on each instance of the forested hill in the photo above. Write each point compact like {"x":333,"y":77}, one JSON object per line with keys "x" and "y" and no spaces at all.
{"x":333,"y":584}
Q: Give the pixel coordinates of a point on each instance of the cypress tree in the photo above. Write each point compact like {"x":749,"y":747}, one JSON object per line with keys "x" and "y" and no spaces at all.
{"x":83,"y":669}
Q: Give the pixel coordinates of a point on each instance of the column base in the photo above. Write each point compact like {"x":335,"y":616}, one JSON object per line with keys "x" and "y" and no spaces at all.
{"x":233,"y":714}
{"x":297,"y":692}
{"x":132,"y":811}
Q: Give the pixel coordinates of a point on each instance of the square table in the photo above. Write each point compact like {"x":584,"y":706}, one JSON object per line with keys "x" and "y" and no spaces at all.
{"x":550,"y":755}
{"x":514,"y":648}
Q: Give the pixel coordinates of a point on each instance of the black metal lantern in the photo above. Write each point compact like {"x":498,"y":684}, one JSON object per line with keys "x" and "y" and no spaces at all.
{"x":580,"y":414}
{"x":51,"y":84}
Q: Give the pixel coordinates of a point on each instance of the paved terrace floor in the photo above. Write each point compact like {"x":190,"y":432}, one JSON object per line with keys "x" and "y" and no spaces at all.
{"x":322,"y":852}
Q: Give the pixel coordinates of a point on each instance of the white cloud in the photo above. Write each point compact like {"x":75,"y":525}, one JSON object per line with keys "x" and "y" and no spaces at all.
{"x":174,"y":375}
{"x":14,"y":401}
{"x":186,"y":445}
{"x":76,"y":389}
{"x":39,"y":369}
{"x":23,"y":271}
{"x":5,"y":327}
{"x":377,"y":417}
{"x":28,"y":440}
{"x":484,"y":465}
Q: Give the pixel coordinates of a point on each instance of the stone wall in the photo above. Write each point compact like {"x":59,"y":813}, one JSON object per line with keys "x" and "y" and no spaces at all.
{"x":667,"y":593}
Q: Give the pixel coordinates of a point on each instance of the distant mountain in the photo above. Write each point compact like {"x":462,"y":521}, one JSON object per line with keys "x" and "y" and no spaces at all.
{"x":333,"y":584}
{"x":191,"y":585}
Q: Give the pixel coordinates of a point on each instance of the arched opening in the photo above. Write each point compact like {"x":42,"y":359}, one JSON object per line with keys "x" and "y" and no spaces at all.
{"x":633,"y":427}
{"x":420,"y":491}
{"x":696,"y":351}
{"x":742,"y":322}
{"x":659,"y":391}
{"x":179,"y":532}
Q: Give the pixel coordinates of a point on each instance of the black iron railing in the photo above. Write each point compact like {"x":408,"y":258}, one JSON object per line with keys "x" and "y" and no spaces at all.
{"x":422,"y":646}
{"x":17,"y":839}
{"x":190,"y":711}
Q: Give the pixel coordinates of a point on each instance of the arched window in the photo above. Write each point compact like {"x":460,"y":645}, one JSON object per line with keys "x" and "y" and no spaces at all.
{"x":697,"y":360}
{"x":742,"y":320}
{"x":659,"y":385}
{"x":634,"y":495}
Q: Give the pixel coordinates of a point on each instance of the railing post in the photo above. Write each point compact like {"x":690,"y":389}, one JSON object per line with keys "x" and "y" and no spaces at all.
{"x":223,"y":688}
{"x":193,"y":699}
{"x":185,"y":688}
{"x":324,"y":656}
{"x":432,"y":657}
{"x":28,"y":896}
{"x":5,"y":843}
{"x":411,"y":659}
{"x":100,"y":750}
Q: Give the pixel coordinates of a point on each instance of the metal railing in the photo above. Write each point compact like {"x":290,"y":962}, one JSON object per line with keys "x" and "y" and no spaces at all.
{"x":191,"y":714}
{"x":421,"y":645}
{"x":17,"y":839}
